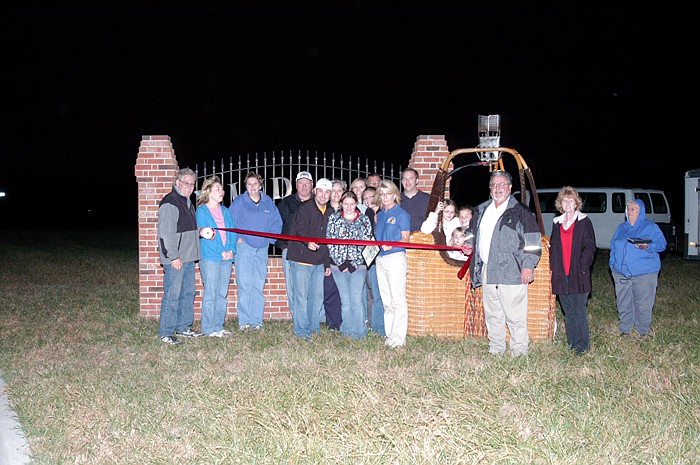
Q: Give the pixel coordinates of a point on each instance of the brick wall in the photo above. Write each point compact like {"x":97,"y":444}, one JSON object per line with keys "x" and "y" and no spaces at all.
{"x":428,"y":154}
{"x":155,"y":170}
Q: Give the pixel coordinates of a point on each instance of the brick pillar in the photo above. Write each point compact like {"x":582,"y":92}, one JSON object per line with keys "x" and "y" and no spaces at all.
{"x":155,"y":170}
{"x":428,"y":154}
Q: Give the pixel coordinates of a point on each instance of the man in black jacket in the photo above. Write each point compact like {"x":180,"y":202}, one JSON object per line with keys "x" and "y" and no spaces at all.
{"x":288,"y":209}
{"x":310,"y":261}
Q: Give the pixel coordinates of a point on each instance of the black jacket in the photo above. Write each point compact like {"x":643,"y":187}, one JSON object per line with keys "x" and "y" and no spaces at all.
{"x":583,"y":251}
{"x":309,"y":221}
{"x":288,"y":207}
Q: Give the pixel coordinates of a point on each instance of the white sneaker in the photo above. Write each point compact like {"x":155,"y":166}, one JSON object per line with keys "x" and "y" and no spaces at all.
{"x":217,"y":334}
{"x":393,"y":344}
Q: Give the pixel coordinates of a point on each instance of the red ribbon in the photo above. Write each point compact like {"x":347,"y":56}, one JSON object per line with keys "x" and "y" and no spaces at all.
{"x":324,"y":240}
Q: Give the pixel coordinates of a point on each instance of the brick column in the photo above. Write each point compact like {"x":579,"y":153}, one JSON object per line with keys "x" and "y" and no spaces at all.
{"x":155,"y":170}
{"x":428,"y":154}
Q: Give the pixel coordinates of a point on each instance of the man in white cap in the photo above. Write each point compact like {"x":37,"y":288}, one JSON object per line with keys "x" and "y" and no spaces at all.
{"x":288,"y":209}
{"x":310,"y":261}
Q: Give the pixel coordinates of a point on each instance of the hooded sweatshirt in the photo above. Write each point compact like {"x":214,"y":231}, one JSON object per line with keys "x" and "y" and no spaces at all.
{"x":629,"y":260}
{"x":262,"y":216}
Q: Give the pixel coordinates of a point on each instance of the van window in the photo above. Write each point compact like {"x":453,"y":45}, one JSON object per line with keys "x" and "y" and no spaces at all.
{"x":547,"y":200}
{"x":659,"y":203}
{"x":593,"y":202}
{"x":644,"y":197}
{"x":618,"y":202}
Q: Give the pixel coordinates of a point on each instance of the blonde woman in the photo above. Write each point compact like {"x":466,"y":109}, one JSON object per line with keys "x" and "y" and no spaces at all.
{"x":393,"y":224}
{"x":572,"y":251}
{"x":216,"y":263}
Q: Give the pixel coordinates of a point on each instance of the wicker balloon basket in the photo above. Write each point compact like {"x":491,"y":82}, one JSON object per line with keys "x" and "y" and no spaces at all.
{"x":442,"y":305}
{"x":436,"y":296}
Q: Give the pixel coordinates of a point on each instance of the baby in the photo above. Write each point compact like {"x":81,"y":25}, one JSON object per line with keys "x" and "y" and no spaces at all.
{"x":459,"y":239}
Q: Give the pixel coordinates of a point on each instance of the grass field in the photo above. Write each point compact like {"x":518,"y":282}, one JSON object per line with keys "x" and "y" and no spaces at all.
{"x":92,"y":384}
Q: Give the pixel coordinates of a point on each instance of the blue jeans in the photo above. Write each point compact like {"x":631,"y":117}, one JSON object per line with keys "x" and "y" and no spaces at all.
{"x":177,"y":306}
{"x":288,"y":281}
{"x":251,"y":272}
{"x":377,"y":309}
{"x":216,"y":277}
{"x":352,"y":294}
{"x":308,"y":298}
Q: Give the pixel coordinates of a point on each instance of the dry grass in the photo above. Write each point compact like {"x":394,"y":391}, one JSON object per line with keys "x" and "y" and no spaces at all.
{"x":93,"y":385}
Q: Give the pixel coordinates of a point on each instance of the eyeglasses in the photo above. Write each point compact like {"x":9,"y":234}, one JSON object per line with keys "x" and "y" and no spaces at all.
{"x":384,"y":194}
{"x":191,"y":184}
{"x":494,"y":185}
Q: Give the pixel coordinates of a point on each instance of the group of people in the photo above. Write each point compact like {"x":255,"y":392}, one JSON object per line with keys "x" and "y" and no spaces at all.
{"x":634,"y":264}
{"x":507,"y":250}
{"x":333,"y":281}
{"x":354,"y":292}
{"x":187,"y":234}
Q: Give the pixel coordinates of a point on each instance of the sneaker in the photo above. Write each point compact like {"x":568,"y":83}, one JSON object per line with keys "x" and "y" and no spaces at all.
{"x":257,"y":327}
{"x":244,"y":328}
{"x":225,"y":333}
{"x":189,"y":332}
{"x":172,"y":340}
{"x":217,"y":334}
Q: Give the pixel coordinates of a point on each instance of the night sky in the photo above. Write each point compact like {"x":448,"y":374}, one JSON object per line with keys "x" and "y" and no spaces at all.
{"x":589,"y":95}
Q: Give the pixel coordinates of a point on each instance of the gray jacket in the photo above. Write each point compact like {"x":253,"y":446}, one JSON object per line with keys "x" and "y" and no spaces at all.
{"x":178,"y":235}
{"x":516,"y":244}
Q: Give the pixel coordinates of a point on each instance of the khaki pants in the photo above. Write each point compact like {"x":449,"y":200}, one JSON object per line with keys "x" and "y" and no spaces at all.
{"x":506,"y":305}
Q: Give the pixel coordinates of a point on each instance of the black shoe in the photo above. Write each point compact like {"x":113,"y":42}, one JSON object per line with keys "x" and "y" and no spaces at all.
{"x":624,"y":334}
{"x":189,"y":332}
{"x":172,"y":340}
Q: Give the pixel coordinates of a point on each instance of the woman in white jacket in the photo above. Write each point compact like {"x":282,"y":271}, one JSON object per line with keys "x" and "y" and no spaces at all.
{"x":449,"y":219}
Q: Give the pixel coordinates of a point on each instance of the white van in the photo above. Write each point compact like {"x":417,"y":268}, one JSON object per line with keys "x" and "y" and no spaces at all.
{"x":691,"y":244}
{"x":606,"y":208}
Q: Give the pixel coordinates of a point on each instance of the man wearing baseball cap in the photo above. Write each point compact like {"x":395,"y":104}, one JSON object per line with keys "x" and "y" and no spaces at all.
{"x":310,"y":261}
{"x":288,"y":209}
